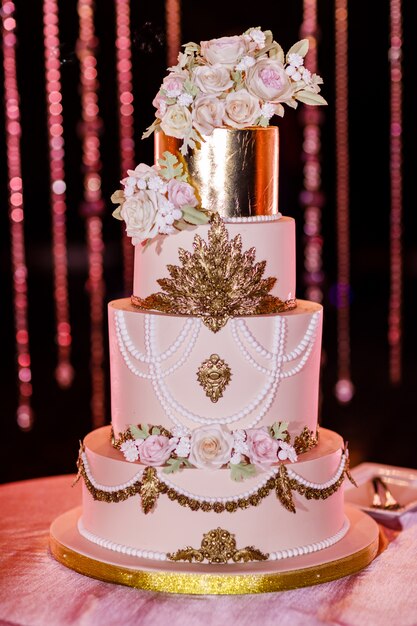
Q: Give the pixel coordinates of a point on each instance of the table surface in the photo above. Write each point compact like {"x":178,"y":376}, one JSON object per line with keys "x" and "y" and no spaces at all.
{"x":35,"y":590}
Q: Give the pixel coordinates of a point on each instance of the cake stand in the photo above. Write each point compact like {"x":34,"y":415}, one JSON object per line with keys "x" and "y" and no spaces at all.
{"x":355,"y":551}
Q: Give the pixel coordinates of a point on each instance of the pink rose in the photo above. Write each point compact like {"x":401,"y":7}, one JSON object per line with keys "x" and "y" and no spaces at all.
{"x":155,"y":450}
{"x":268,"y":81}
{"x":226,"y":50}
{"x":174,"y":83}
{"x":208,"y":114}
{"x":181,"y":194}
{"x":242,"y":109}
{"x":160,"y":104}
{"x":213,"y":79}
{"x":262,"y":449}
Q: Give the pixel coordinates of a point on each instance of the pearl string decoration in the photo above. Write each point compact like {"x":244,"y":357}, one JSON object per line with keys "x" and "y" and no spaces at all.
{"x":126,"y":345}
{"x":108,"y":488}
{"x":224,"y":500}
{"x":162,"y":556}
{"x":267,"y":394}
{"x":252,"y":219}
{"x":329,"y":483}
{"x":13,"y":133}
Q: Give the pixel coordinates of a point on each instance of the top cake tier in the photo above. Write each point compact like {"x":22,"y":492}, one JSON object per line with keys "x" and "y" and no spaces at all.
{"x":235,"y":174}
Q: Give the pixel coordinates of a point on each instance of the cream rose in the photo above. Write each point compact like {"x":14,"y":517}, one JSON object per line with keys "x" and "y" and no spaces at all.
{"x":225,"y":50}
{"x":155,"y":450}
{"x":242,"y":109}
{"x":139,"y":212}
{"x":212,"y":79}
{"x":181,"y":194}
{"x":177,"y":121}
{"x":262,"y":448}
{"x":208,"y":114}
{"x":211,"y":447}
{"x":268,"y":81}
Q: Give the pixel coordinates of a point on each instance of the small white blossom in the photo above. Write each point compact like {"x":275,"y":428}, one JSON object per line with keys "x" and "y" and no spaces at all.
{"x":236,"y":458}
{"x":130,"y":450}
{"x":173,"y":92}
{"x":245,"y":63}
{"x":184,"y":99}
{"x":177,"y":213}
{"x":240,"y":446}
{"x":295,"y":60}
{"x":267,"y":110}
{"x":287,"y":452}
{"x":141,"y":183}
{"x":183,"y":447}
{"x":156,"y":183}
{"x":180,"y":431}
{"x":258,"y":36}
{"x":293,"y":72}
{"x":129,"y":191}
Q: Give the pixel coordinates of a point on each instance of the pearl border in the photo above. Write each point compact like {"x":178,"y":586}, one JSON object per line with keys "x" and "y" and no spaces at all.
{"x":162,"y":556}
{"x":252,"y":219}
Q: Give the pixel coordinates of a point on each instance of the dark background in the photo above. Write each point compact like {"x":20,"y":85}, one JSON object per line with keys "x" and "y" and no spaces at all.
{"x":381,"y":421}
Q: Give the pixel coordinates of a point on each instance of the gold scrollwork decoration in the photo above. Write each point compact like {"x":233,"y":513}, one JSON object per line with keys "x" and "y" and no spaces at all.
{"x":214,"y":375}
{"x":218,"y":546}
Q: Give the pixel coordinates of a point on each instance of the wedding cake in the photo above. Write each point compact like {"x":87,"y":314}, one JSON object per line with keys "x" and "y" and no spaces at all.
{"x":214,"y":461}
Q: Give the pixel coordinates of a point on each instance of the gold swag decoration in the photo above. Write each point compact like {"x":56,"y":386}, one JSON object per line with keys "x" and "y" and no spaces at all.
{"x":216,"y":282}
{"x":218,"y":546}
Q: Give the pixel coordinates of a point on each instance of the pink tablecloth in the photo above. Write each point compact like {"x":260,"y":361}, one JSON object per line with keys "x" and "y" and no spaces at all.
{"x":35,"y":590}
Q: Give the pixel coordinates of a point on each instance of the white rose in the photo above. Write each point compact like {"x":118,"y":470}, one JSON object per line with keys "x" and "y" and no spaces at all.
{"x":208,"y":114}
{"x":226,"y":50}
{"x":176,"y":122}
{"x":242,"y":109}
{"x":211,"y":447}
{"x":139,"y":212}
{"x":268,"y":81}
{"x":212,"y":79}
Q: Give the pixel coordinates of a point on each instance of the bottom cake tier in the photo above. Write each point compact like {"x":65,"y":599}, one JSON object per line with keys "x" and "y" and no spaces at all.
{"x":203,"y":515}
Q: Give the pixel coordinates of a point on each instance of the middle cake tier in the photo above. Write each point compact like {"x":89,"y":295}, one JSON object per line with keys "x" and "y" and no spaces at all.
{"x":172,"y":371}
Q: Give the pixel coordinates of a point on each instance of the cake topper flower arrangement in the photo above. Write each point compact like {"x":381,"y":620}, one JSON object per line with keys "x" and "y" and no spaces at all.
{"x":232,"y":82}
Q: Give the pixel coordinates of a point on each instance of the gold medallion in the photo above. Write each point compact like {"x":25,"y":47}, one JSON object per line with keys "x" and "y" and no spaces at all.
{"x":214,"y":375}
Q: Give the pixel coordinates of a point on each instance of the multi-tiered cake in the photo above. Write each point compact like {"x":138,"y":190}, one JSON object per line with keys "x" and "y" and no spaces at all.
{"x":213,"y":463}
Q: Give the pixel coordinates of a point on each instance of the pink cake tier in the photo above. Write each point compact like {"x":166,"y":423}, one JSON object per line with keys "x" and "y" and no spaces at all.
{"x":274,"y":362}
{"x":170,"y":526}
{"x":274,"y":242}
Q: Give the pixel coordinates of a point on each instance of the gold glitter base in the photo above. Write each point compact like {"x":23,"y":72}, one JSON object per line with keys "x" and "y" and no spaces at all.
{"x":354,"y":552}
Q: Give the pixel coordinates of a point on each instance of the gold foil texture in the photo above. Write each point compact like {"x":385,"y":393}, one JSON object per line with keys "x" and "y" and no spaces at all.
{"x":235,"y":171}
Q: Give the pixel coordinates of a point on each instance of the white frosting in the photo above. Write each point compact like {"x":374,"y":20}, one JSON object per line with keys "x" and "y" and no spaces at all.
{"x":162,"y":556}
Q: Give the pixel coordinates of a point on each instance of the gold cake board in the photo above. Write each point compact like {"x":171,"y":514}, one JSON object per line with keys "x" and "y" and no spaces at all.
{"x":351,"y":554}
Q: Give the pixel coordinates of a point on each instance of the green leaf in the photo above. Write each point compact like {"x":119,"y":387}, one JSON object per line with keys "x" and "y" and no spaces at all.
{"x":279,"y":430}
{"x":301,"y":48}
{"x":116,"y":213}
{"x":139,"y":433}
{"x":194,"y":216}
{"x":276,"y":52}
{"x":190,"y":88}
{"x":263,"y":121}
{"x":175,"y":465}
{"x":240,"y":471}
{"x":156,"y":430}
{"x":309,"y":97}
{"x":170,"y":166}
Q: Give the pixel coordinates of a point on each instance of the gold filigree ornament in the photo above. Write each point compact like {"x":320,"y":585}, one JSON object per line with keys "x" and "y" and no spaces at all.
{"x":214,"y":375}
{"x":216,"y":282}
{"x":218,"y":546}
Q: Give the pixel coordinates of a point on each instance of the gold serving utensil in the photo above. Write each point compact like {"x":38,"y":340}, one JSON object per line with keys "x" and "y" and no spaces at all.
{"x":390,"y":503}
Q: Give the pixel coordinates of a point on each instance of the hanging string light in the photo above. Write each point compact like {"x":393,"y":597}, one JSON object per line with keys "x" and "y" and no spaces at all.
{"x":16,"y":215}
{"x":93,"y":206}
{"x":311,"y":197}
{"x":395,"y":299}
{"x":173,"y":29}
{"x":64,"y":372}
{"x":126,"y":129}
{"x":344,"y":388}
